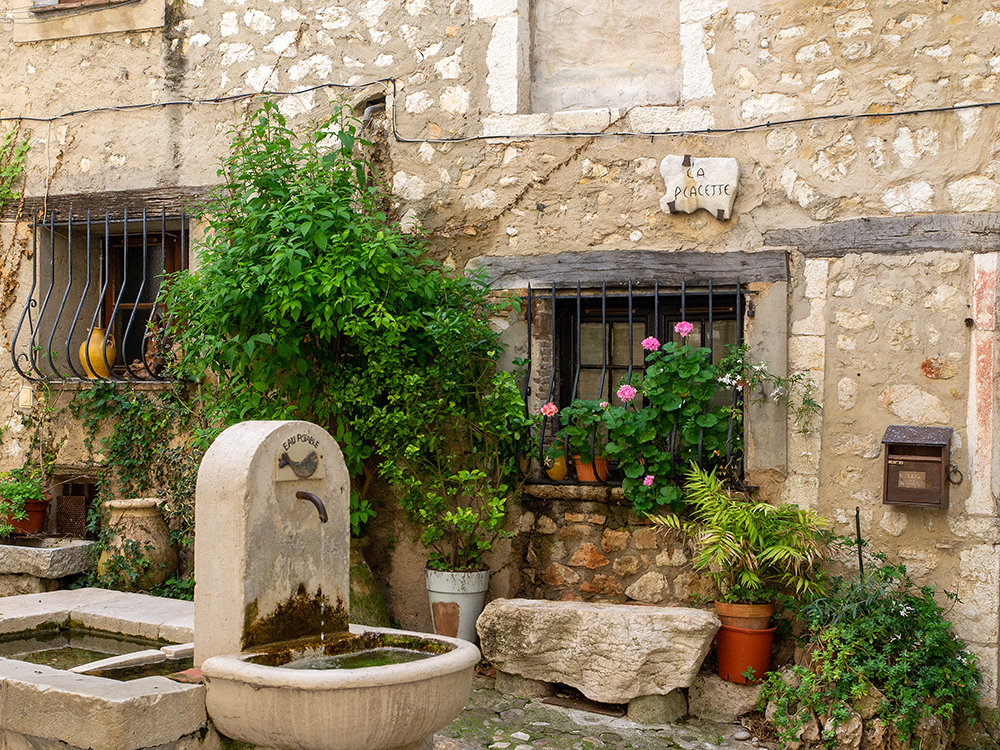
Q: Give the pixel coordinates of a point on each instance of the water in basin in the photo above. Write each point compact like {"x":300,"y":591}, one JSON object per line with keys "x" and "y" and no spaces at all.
{"x":65,"y":648}
{"x":376,"y":657}
{"x":163,"y":668}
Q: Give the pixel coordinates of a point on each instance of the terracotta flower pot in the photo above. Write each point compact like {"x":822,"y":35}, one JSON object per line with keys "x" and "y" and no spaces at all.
{"x":747,"y":616}
{"x":36,"y":517}
{"x":592,"y":472}
{"x":742,"y":649}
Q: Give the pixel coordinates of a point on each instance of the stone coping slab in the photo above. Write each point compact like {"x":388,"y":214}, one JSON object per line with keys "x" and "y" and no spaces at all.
{"x":96,"y":712}
{"x":55,"y":559}
{"x":140,"y":615}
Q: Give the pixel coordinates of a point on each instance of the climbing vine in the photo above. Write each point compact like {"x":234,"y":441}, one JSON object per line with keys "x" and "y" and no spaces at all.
{"x":13,"y":150}
{"x":152,"y":443}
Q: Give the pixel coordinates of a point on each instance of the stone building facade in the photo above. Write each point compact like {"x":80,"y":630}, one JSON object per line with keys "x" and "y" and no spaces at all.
{"x":526,"y":139}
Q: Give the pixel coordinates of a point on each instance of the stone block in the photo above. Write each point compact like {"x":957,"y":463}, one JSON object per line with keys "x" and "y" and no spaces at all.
{"x":611,"y":653}
{"x":658,"y":709}
{"x":119,"y":715}
{"x":140,"y":615}
{"x":65,"y":558}
{"x":15,"y":585}
{"x":714,"y":699}
{"x":29,"y":611}
{"x":514,"y":684}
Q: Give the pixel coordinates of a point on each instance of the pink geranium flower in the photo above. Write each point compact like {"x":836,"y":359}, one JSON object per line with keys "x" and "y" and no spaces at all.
{"x":550,"y":409}
{"x":650,"y":344}
{"x":626,"y":393}
{"x":648,"y":481}
{"x":604,"y":404}
{"x":684,"y":328}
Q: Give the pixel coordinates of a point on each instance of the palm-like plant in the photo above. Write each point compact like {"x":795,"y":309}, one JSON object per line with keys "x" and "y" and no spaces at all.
{"x":750,"y":549}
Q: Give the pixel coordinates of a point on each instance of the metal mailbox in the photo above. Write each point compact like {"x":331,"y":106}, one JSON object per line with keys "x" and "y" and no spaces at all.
{"x":917,"y":466}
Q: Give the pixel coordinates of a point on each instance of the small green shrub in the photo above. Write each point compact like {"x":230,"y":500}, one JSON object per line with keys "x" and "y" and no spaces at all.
{"x":877,"y":630}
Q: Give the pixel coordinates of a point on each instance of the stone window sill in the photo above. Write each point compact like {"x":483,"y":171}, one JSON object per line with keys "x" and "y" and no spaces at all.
{"x":56,"y":8}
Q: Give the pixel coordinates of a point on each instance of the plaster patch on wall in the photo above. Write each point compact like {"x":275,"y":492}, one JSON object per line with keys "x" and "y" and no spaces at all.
{"x":238,"y":52}
{"x":976,"y":193}
{"x":333,"y":17}
{"x":913,"y":405}
{"x":914,"y":197}
{"x":258,"y":21}
{"x":893,"y":521}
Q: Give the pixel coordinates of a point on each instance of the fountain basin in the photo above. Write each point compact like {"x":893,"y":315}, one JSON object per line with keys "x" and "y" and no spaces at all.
{"x":341,"y":709}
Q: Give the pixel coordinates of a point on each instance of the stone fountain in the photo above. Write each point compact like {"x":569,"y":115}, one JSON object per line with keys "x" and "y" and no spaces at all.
{"x":273,"y":592}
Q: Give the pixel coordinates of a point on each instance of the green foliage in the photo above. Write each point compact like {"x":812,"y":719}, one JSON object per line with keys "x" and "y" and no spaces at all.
{"x":152,"y":443}
{"x":310,"y":303}
{"x":454,"y":458}
{"x":16,"y":489}
{"x":176,"y":587}
{"x":13,"y":150}
{"x":750,"y":550}
{"x":878,"y":630}
{"x":676,"y":424}
{"x":583,"y":429}
{"x":795,"y":391}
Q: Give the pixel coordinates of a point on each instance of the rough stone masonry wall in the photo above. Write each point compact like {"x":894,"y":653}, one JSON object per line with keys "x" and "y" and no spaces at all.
{"x":879,"y":303}
{"x":597,"y":551}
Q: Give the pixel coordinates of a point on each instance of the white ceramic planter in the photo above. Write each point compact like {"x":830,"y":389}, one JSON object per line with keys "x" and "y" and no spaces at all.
{"x":457,"y":600}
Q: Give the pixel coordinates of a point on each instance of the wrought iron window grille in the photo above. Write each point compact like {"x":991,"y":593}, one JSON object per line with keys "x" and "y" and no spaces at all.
{"x":101,"y":274}
{"x":560,"y":368}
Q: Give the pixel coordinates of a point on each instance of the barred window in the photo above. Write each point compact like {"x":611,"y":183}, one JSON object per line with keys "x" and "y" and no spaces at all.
{"x":584,"y":343}
{"x":98,"y":279}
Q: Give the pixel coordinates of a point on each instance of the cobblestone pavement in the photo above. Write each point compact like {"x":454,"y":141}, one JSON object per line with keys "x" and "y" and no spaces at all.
{"x":492,"y":721}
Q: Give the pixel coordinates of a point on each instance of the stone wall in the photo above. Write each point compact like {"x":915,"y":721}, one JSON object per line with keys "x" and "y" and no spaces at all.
{"x":577,"y":550}
{"x":869,"y":156}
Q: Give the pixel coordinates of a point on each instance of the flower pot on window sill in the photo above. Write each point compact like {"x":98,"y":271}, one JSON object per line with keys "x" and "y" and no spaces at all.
{"x":556,"y":468}
{"x":93,"y":353}
{"x":592,"y":472}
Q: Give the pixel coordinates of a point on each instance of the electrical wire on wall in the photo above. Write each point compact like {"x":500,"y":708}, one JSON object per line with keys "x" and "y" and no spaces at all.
{"x":390,"y":83}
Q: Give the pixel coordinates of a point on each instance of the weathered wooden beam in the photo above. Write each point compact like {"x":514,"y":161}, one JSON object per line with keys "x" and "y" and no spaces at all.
{"x":618,"y":267}
{"x":173,"y":199}
{"x":956,"y":233}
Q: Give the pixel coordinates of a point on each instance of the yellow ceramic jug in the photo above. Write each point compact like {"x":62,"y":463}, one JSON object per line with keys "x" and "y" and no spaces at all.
{"x":96,"y":349}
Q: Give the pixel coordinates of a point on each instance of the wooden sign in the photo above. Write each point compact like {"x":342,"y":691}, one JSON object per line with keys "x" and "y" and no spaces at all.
{"x":694,"y":183}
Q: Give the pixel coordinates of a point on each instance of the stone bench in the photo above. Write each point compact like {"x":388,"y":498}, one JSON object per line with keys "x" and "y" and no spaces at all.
{"x":612,"y":653}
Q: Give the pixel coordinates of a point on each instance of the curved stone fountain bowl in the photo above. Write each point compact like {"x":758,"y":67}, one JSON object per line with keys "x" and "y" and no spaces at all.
{"x":341,"y":709}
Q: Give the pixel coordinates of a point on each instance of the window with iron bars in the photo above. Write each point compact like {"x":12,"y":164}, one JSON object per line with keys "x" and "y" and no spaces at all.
{"x":98,"y":274}
{"x":584,"y":343}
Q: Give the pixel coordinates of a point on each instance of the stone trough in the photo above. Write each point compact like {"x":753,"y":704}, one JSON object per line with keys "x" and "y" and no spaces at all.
{"x":612,"y":653}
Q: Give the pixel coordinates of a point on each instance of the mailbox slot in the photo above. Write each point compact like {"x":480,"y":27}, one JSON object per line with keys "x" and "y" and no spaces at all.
{"x":917,"y":460}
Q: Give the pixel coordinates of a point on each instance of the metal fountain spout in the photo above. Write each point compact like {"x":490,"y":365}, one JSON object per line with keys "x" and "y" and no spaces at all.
{"x":302,"y":495}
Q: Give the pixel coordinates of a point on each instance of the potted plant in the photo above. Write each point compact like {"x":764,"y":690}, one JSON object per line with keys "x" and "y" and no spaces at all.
{"x":23,"y":502}
{"x":584,"y":433}
{"x":751,"y":550}
{"x":455,"y":471}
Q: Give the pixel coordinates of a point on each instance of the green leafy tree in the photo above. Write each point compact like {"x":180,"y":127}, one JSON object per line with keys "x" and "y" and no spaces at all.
{"x":310,"y":303}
